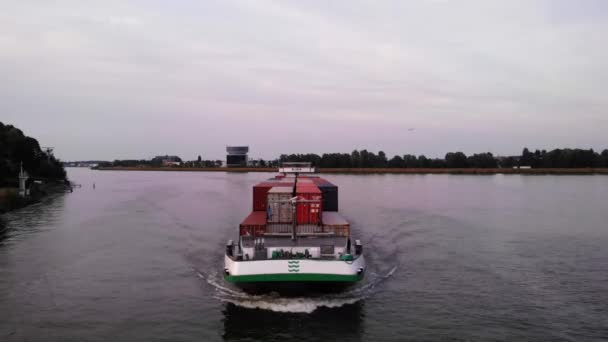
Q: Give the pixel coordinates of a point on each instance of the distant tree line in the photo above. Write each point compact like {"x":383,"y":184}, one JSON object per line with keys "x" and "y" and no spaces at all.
{"x":179,"y":163}
{"x":199,"y":162}
{"x":564,"y":158}
{"x":558,"y":158}
{"x":159,"y":161}
{"x":17,"y":148}
{"x":125,"y":163}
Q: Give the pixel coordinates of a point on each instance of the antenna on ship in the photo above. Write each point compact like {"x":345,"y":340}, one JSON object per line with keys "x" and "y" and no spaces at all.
{"x":294,"y":221}
{"x":294,"y":204}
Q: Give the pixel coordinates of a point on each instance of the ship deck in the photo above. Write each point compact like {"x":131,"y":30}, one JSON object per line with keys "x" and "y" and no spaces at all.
{"x":281,"y":247}
{"x":286,"y":242}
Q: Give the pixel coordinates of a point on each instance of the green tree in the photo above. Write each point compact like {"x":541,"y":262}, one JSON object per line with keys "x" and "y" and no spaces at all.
{"x":526,"y":158}
{"x":17,"y":148}
{"x":365,"y":159}
{"x":410,"y":161}
{"x":355,"y":159}
{"x":456,"y":160}
{"x":381,"y":160}
{"x":508,"y":162}
{"x":423,"y":161}
{"x":396,"y":162}
{"x":437,"y":163}
{"x":482,"y":160}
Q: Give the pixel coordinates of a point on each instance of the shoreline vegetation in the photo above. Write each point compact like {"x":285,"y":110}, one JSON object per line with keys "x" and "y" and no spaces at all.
{"x":11,"y":200}
{"x":456,"y":171}
{"x":369,"y":162}
{"x":45,"y":173}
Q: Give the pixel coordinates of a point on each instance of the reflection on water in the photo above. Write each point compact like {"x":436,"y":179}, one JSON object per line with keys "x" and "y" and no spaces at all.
{"x":32,"y":218}
{"x":345,"y":323}
{"x":3,"y":229}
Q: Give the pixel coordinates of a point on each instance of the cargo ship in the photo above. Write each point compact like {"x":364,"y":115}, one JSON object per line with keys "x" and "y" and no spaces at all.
{"x":294,"y":237}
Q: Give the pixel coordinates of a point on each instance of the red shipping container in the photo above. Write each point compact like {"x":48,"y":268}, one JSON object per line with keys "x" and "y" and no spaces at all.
{"x":260,"y":191}
{"x":309,"y":213}
{"x":301,"y":180}
{"x":254,"y":224}
{"x":260,"y":194}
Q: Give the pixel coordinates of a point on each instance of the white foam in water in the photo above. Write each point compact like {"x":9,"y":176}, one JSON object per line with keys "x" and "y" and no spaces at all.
{"x":274,"y":302}
{"x":285,"y":304}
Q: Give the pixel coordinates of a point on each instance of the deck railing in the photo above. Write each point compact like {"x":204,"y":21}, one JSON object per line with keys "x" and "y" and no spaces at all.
{"x":286,"y":228}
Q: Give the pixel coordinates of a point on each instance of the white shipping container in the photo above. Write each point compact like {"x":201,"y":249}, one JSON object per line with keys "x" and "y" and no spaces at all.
{"x":279,"y":210}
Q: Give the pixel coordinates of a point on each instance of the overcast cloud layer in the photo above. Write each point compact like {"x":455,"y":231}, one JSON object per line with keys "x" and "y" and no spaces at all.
{"x":119,"y":79}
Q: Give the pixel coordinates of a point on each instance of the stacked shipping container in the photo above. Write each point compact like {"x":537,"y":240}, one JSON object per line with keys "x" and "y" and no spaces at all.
{"x":334,"y":223}
{"x":330,"y":194}
{"x":309,"y":213}
{"x":270,"y":206}
{"x":279,"y":208}
{"x":260,"y":193}
{"x":254,"y":224}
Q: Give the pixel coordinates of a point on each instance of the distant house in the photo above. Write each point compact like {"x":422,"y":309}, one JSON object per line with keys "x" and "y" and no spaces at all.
{"x":167,"y":160}
{"x":89,"y":163}
{"x":171,"y":163}
{"x":237,"y":156}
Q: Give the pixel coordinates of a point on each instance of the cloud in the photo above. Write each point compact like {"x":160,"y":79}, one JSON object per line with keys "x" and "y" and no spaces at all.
{"x":521,"y":72}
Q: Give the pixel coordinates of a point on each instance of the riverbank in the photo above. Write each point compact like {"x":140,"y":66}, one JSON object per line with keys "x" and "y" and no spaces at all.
{"x":466,"y":171}
{"x":10,"y":199}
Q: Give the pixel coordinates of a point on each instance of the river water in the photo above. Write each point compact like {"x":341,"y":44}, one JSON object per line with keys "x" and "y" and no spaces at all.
{"x":138,"y":258}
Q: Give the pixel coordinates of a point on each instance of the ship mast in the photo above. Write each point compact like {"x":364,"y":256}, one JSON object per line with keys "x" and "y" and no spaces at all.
{"x":296,"y":168}
{"x":294,"y":203}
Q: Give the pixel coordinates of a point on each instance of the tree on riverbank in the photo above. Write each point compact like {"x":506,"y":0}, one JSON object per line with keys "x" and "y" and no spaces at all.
{"x":17,"y":148}
{"x":558,"y":158}
{"x":564,"y":158}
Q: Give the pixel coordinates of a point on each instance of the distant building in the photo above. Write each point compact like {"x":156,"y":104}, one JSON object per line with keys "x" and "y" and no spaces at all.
{"x":88,"y":163}
{"x":236,"y":155}
{"x":255,"y":162}
{"x":167,"y":160}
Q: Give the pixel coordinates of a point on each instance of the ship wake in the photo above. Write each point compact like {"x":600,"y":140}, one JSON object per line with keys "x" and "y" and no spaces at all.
{"x":299,"y":304}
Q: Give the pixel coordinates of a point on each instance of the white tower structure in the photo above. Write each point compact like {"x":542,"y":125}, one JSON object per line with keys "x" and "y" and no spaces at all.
{"x":23,"y":177}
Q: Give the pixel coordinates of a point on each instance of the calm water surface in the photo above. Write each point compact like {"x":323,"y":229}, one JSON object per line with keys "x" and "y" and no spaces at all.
{"x":451,"y":257}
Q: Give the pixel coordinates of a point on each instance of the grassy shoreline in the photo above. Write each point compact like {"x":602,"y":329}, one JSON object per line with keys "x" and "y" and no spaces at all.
{"x":467,"y":171}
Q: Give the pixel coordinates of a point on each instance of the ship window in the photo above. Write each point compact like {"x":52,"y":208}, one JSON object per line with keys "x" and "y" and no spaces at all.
{"x":327,"y":249}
